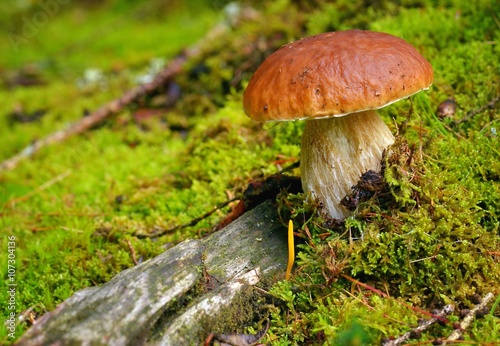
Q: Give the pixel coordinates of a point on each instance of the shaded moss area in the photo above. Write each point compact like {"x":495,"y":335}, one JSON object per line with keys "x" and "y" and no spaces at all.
{"x":79,"y":210}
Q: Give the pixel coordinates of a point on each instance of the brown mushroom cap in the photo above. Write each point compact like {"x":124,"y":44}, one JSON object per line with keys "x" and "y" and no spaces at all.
{"x":333,"y":74}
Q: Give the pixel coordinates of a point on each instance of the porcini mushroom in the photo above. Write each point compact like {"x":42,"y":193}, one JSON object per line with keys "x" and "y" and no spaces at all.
{"x":336,"y":81}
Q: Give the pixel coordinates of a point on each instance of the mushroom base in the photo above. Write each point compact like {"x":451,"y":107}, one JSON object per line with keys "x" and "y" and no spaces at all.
{"x":336,"y":152}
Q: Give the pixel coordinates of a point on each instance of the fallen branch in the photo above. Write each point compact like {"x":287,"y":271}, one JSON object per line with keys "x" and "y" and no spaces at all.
{"x":166,"y":300}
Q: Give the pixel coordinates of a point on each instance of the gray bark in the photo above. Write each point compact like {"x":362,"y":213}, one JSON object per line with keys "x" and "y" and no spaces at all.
{"x":178,"y":297}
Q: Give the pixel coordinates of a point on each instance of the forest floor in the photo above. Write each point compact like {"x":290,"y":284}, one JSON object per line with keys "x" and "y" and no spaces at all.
{"x":78,"y":211}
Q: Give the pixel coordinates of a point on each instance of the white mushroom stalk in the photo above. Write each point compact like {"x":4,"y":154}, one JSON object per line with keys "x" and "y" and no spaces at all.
{"x":335,"y":153}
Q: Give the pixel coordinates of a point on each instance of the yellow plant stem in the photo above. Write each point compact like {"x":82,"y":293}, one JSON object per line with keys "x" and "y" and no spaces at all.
{"x":291,"y":251}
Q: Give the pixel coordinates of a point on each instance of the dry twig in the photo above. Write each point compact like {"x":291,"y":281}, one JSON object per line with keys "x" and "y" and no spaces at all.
{"x":422,"y":326}
{"x":193,"y":222}
{"x":467,"y":320}
{"x":12,"y":203}
{"x":385,"y":295}
{"x":474,"y":112}
{"x":448,"y":309}
{"x":132,"y":251}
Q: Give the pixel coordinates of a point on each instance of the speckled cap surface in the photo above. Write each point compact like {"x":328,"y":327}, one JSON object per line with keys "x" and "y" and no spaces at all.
{"x":334,"y":74}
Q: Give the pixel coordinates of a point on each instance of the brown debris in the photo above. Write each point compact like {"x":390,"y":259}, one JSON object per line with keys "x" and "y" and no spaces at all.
{"x":259,"y":191}
{"x":370,"y":184}
{"x":447,"y":108}
{"x":20,"y":115}
{"x":236,"y":339}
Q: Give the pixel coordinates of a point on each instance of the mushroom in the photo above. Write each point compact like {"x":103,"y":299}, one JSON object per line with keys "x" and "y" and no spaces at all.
{"x":336,"y":81}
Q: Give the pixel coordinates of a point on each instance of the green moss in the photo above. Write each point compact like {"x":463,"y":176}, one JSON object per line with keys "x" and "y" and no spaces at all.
{"x":429,"y":238}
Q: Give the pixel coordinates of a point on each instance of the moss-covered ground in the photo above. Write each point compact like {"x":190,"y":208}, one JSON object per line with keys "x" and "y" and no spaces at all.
{"x":78,"y":210}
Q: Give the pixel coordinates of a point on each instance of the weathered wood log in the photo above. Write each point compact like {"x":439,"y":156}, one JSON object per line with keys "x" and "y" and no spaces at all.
{"x":178,"y":297}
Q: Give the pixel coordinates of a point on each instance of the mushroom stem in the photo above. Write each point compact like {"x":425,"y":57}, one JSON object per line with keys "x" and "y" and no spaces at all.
{"x":337,"y":151}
